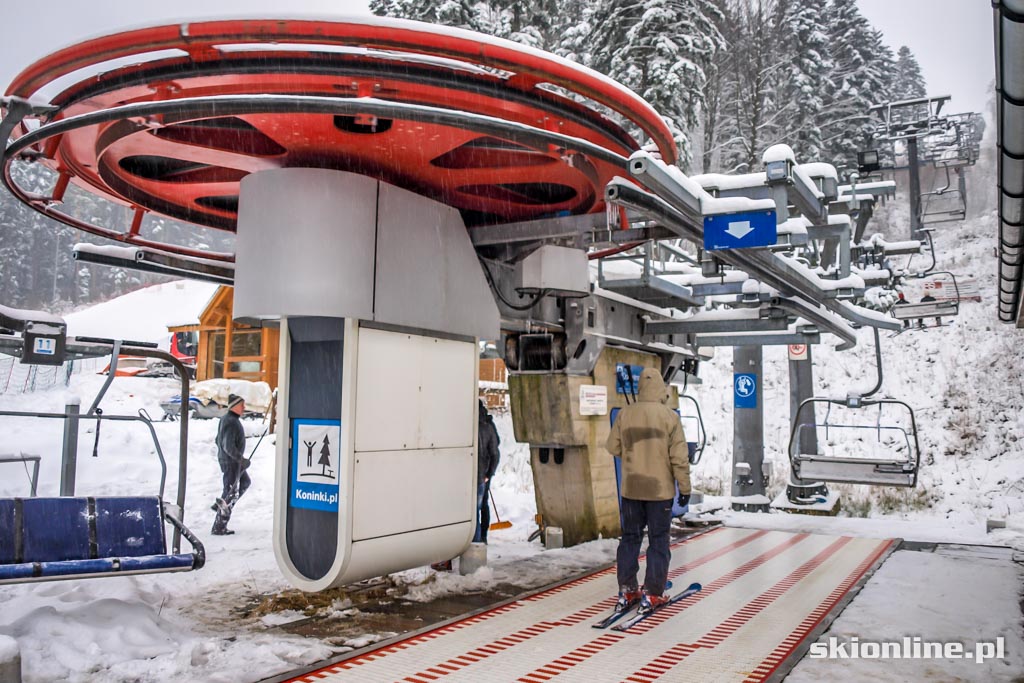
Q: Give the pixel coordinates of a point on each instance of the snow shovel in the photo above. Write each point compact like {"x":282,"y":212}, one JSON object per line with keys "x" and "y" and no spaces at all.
{"x":499,"y":524}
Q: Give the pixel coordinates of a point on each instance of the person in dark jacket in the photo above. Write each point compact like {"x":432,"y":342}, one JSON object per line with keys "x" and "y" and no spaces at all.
{"x":487,"y":464}
{"x":233,"y":463}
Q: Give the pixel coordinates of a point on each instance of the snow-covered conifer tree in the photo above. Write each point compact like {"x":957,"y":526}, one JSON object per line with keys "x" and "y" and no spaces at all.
{"x":805,"y":84}
{"x":908,"y":82}
{"x":660,"y":49}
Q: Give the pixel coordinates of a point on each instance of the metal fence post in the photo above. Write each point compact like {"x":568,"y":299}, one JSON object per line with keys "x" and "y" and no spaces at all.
{"x":69,"y":454}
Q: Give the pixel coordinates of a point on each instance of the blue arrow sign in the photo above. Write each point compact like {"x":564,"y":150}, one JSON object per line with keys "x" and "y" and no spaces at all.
{"x":740,"y":230}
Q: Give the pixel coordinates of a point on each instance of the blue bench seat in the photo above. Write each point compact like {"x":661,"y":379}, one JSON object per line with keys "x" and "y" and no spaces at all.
{"x":51,"y":538}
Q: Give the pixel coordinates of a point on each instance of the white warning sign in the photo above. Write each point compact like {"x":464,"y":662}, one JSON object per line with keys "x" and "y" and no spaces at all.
{"x":798,"y":351}
{"x":593,"y":399}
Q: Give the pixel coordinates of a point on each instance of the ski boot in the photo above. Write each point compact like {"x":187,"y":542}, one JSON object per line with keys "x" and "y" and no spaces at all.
{"x":627,"y":598}
{"x":649,"y":602}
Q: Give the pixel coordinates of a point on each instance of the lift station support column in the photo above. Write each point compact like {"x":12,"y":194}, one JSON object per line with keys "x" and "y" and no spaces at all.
{"x":914,"y":164}
{"x":749,"y":477}
{"x":381,"y":302}
{"x":801,"y":387}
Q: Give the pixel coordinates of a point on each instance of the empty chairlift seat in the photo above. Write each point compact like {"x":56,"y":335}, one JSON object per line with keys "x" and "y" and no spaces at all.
{"x":889,"y":456}
{"x":45,"y":539}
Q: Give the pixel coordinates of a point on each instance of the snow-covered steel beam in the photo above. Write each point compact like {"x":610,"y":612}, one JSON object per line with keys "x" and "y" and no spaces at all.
{"x":880,"y":188}
{"x":765,"y":319}
{"x":585,"y":229}
{"x":772,"y":270}
{"x":152,"y":261}
{"x":796,"y":334}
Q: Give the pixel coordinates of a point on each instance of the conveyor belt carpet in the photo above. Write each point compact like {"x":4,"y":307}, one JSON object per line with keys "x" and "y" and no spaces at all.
{"x":765,"y":594}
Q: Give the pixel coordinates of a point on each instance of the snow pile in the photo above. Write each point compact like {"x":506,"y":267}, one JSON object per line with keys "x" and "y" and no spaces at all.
{"x":257,"y":395}
{"x":8,"y":649}
{"x":144,"y":315}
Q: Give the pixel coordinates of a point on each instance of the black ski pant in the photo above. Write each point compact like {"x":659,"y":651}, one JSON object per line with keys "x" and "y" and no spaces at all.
{"x":656,"y":517}
{"x":233,"y":474}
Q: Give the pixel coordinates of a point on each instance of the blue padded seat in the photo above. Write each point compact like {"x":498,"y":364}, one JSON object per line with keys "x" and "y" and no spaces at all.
{"x":67,"y":537}
{"x":7,"y":532}
{"x":129,"y":527}
{"x":54,"y":529}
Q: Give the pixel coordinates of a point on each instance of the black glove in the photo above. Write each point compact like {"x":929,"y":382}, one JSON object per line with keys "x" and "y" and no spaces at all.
{"x":683,"y":500}
{"x":245,"y":464}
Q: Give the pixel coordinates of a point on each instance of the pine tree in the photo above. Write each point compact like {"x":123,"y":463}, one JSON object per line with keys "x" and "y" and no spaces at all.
{"x":908,"y":81}
{"x":749,"y":71}
{"x":325,"y":454}
{"x":804,"y":85}
{"x":861,"y":68}
{"x":457,"y":13}
{"x":659,"y":49}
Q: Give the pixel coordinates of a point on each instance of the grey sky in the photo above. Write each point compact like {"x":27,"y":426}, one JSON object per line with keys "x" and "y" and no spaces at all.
{"x":952,"y":40}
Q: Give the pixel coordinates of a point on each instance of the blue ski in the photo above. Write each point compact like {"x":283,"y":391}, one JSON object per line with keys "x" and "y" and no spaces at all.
{"x":626,"y":625}
{"x":615,"y":616}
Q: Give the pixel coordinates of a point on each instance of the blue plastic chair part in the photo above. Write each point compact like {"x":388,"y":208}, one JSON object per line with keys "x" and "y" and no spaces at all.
{"x":52,"y":538}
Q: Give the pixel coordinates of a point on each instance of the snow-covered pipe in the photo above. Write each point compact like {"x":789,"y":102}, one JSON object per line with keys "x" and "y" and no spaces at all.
{"x":1009,"y":38}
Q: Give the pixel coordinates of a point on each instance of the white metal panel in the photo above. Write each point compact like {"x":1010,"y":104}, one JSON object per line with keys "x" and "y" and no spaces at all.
{"x":305,"y":244}
{"x":386,"y":554}
{"x":399,"y":491}
{"x":447,"y":393}
{"x":387,"y":398}
{"x":414,"y":392}
{"x":428,"y":274}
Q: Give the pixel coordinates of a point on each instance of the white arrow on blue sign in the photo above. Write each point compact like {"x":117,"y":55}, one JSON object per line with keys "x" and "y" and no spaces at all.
{"x":740,"y":230}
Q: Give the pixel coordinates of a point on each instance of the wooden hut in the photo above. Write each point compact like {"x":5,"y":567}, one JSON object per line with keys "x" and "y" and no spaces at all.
{"x":230,"y":350}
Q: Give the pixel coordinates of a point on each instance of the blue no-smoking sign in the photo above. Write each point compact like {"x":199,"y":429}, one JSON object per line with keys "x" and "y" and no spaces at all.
{"x":744,"y":390}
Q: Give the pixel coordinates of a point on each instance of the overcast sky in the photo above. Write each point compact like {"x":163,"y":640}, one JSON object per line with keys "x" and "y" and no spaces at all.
{"x":953,"y":42}
{"x":951,"y":38}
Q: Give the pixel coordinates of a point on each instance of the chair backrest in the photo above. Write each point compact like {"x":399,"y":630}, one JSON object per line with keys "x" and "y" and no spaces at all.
{"x":62,"y":529}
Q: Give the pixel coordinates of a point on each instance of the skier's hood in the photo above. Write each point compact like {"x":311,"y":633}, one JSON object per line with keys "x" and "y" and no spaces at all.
{"x":652,"y":388}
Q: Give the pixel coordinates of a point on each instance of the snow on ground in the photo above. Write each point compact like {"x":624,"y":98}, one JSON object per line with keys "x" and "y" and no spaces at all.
{"x":960,"y":609}
{"x":961,"y":380}
{"x":172,"y":626}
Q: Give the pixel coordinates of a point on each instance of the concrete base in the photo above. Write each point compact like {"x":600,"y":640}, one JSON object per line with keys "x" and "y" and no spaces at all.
{"x":755,"y":503}
{"x":573,"y":474}
{"x":10,"y":660}
{"x":473,"y":558}
{"x":829,"y":507}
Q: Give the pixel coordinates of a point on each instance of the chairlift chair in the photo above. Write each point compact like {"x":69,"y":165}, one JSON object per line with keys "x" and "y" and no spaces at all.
{"x":928,"y":309}
{"x":695,"y":448}
{"x":947,"y":203}
{"x":899,"y":467}
{"x":67,"y":537}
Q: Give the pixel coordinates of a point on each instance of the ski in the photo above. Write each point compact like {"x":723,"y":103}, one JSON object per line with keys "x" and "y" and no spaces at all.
{"x":615,"y":616}
{"x":626,"y":625}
